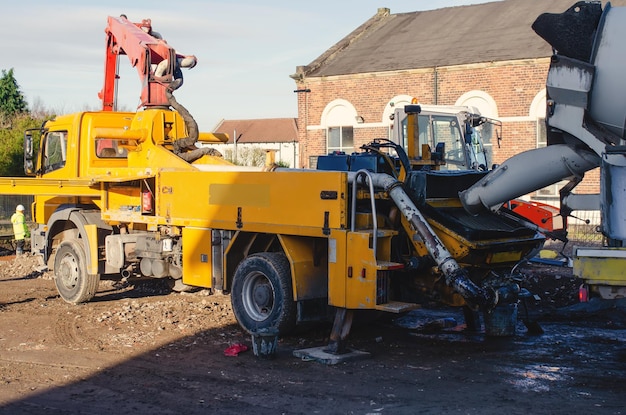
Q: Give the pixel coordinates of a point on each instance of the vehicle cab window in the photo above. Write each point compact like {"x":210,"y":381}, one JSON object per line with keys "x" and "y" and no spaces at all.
{"x":107,"y":149}
{"x":478,"y":157}
{"x":54,"y":151}
{"x":445,"y":129}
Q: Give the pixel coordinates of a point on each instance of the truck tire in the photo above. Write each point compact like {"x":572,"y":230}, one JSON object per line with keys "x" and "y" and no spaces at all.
{"x":262,"y":294}
{"x":73,"y":282}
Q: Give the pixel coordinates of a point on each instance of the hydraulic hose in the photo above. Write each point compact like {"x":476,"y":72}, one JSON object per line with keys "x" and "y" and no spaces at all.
{"x":455,"y":276}
{"x":185,"y":148}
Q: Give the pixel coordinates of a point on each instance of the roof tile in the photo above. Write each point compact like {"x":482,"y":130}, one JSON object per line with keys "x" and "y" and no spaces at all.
{"x":268,"y":130}
{"x":495,"y":31}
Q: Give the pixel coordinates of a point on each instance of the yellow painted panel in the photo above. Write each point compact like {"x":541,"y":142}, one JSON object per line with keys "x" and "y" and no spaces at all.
{"x":309,"y":271}
{"x":123,"y":197}
{"x":290,"y":202}
{"x":48,"y":187}
{"x":600,"y":270}
{"x":47,"y":205}
{"x":361,"y":280}
{"x":212,"y":137}
{"x":197,"y":257}
{"x":500,"y":257}
{"x":235,"y":194}
{"x":92,"y":248}
{"x":337,"y":252}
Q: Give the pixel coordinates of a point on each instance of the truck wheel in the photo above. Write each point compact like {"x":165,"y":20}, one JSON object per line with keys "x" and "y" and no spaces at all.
{"x":262,"y":294}
{"x":73,"y":282}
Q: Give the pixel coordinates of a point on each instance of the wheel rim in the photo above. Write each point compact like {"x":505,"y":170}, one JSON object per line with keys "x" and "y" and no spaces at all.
{"x":68,"y":272}
{"x":258,"y":296}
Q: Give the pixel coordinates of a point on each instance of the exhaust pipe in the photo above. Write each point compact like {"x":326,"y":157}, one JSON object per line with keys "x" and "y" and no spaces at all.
{"x":455,"y":276}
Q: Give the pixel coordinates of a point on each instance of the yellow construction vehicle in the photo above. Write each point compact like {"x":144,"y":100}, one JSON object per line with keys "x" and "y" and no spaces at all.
{"x":453,"y":133}
{"x":122,"y":194}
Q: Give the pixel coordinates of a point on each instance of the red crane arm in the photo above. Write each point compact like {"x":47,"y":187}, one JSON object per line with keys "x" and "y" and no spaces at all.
{"x":146,"y":51}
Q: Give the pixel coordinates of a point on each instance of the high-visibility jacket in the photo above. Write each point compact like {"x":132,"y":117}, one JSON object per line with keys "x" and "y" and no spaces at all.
{"x":20,"y":229}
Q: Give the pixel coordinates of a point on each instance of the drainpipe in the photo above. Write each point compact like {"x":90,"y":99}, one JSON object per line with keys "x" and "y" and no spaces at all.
{"x":302,"y":89}
{"x":436,"y":85}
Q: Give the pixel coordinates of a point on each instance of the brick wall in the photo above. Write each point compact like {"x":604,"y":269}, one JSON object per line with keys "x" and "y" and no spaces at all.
{"x":513,"y":85}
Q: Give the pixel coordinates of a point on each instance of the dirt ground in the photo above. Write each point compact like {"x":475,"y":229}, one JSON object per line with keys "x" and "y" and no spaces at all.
{"x":140,"y":349}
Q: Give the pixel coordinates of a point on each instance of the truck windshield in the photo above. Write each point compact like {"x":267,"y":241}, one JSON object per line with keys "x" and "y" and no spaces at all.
{"x":478,"y":156}
{"x":54,"y":151}
{"x":435,"y":129}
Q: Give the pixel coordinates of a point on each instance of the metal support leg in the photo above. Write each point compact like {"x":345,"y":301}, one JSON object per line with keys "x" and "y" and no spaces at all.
{"x":472,"y":319}
{"x":340,"y":331}
{"x":336,"y":351}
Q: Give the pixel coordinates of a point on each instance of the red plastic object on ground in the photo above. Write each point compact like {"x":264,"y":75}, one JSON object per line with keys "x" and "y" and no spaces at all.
{"x":235,"y":349}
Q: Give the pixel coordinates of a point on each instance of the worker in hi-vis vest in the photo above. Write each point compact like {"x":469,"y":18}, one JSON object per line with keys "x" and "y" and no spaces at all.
{"x":20,"y":229}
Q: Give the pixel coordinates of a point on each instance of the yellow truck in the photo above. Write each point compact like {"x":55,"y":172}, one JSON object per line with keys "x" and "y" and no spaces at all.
{"x":136,"y":194}
{"x":113,"y":199}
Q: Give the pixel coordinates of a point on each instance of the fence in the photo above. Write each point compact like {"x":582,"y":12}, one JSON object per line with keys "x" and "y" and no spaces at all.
{"x":581,"y":233}
{"x":7,"y":208}
{"x":8,"y":204}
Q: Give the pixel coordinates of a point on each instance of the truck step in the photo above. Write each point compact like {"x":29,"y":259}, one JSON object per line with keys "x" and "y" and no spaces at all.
{"x":397,"y":307}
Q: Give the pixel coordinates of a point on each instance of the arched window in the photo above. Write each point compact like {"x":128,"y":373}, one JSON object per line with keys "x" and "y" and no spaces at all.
{"x":538,"y":106}
{"x":339,"y":118}
{"x":399,"y":101}
{"x":480,"y":100}
{"x":486,"y":105}
{"x":537,"y":111}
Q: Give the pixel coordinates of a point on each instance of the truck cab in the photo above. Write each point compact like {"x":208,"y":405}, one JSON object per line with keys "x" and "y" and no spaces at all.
{"x":454,"y":133}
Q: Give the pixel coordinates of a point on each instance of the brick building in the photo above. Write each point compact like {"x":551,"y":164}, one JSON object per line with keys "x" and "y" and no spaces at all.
{"x":484,"y":55}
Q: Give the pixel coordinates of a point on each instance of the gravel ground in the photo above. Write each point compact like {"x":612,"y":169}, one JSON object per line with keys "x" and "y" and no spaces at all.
{"x":138,"y":348}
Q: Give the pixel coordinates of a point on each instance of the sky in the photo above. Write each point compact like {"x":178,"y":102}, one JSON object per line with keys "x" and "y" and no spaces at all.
{"x":246,"y":49}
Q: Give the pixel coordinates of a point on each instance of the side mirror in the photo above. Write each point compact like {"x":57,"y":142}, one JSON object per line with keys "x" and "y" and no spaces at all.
{"x":29,"y":166}
{"x":28,"y":145}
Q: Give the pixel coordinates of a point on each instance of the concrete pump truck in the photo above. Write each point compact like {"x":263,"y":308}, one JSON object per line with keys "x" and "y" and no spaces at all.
{"x":130,"y":194}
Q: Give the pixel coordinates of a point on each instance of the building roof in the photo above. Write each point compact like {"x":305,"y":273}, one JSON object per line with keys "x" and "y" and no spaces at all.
{"x":496,"y":31}
{"x":268,"y":130}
